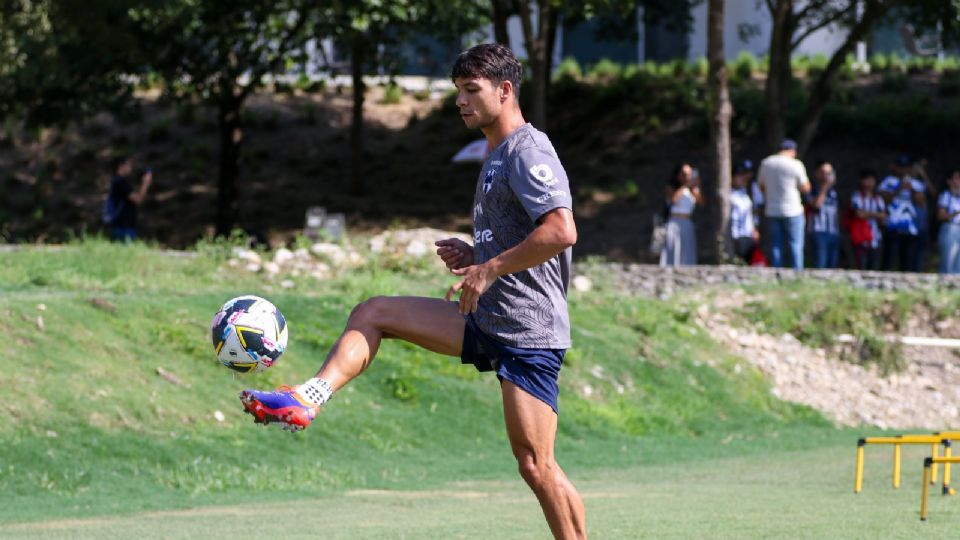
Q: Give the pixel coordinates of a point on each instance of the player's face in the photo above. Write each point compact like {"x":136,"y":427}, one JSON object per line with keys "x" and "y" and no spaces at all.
{"x":479,"y":100}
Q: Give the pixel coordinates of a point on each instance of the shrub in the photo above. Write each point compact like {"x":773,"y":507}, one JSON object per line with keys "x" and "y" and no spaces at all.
{"x":948,"y":64}
{"x":392,"y":94}
{"x":745,"y":65}
{"x":878,"y":63}
{"x":568,"y":69}
{"x":896,"y":63}
{"x":605,"y":70}
{"x":701,"y":67}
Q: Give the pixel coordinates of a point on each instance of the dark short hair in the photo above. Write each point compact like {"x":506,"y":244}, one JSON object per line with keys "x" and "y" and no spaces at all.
{"x":489,"y":61}
{"x":743,"y":166}
{"x":904,"y":160}
{"x":117,"y":161}
{"x":866,"y":173}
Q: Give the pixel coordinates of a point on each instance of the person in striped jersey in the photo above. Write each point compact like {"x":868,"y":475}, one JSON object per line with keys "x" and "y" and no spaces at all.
{"x":743,"y":230}
{"x":867,"y":205}
{"x":824,"y":225}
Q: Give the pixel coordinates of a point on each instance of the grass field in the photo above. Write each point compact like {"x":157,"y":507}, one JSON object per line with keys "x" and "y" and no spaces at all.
{"x":786,"y":494}
{"x":663,"y":445}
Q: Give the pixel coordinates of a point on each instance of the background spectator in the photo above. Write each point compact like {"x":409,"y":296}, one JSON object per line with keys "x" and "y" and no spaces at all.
{"x":918,"y":170}
{"x":902,"y":194}
{"x":120,"y":208}
{"x":743,"y":230}
{"x":824,"y":224}
{"x":782,"y":179}
{"x":869,"y":209}
{"x":948,"y":212}
{"x":683,"y":194}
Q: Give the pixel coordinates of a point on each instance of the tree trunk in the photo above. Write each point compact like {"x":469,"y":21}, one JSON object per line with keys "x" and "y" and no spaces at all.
{"x":231,"y":136}
{"x":721,"y":112}
{"x":357,"y":59}
{"x":501,"y":13}
{"x":538,"y":56}
{"x":822,"y":89}
{"x":780,"y":73}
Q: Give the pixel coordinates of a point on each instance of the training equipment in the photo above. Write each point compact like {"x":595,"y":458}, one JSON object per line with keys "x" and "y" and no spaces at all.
{"x":940,"y":438}
{"x":249,"y":334}
{"x":283,"y":407}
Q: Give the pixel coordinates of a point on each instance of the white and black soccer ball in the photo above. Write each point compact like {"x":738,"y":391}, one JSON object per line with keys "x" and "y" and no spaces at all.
{"x":249,"y":334}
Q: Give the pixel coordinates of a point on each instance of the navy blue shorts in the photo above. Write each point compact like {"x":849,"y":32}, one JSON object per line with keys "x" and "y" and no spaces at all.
{"x":533,"y":370}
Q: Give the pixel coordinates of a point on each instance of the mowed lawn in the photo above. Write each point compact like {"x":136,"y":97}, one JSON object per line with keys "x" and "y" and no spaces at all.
{"x":790,"y":495}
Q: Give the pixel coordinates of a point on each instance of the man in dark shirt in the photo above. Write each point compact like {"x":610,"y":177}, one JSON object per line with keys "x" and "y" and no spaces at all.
{"x":120,"y":211}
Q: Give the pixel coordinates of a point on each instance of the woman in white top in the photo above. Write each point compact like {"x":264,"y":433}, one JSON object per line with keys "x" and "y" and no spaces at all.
{"x":948,"y":212}
{"x":683,"y":194}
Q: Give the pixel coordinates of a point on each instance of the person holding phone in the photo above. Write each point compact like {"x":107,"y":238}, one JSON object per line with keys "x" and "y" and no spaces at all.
{"x":683,"y":195}
{"x":120,"y":208}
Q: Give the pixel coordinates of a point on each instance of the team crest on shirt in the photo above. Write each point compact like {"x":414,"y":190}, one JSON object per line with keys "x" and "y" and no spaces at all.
{"x":488,"y":181}
{"x":544,"y":174}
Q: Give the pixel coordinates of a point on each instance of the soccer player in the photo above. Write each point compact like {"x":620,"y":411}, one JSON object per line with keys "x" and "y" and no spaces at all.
{"x":511,"y":316}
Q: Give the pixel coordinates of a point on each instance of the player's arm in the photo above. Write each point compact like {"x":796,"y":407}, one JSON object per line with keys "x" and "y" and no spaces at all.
{"x":555,"y":232}
{"x":137,"y":197}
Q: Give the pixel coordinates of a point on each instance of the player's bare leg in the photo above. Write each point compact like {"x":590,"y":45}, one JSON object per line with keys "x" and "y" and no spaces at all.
{"x":532,"y":428}
{"x":431,"y":323}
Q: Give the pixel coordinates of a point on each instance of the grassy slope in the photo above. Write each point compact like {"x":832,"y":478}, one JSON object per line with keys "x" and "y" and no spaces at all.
{"x":94,"y":430}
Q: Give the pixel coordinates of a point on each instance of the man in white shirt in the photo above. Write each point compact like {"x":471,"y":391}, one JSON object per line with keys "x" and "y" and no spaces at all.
{"x":783,"y":179}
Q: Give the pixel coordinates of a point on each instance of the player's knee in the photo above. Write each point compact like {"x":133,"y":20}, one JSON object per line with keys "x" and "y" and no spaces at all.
{"x":368,"y":312}
{"x":535,"y":472}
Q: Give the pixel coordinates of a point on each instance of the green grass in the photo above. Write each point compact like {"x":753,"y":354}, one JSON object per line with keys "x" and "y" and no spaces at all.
{"x":780,"y":495}
{"x":95,"y":433}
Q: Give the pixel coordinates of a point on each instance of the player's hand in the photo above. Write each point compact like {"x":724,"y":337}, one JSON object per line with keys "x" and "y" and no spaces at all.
{"x":455,"y":253}
{"x":476,"y":280}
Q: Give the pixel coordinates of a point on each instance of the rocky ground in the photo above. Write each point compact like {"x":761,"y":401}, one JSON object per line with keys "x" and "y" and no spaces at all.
{"x":925,"y":395}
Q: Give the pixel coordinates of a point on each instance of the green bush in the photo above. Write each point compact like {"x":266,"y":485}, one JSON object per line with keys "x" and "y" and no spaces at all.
{"x":392,"y":94}
{"x":745,"y":65}
{"x":605,"y":70}
{"x":947,"y":65}
{"x":569,"y":69}
{"x":896,"y":63}
{"x":878,"y":63}
{"x":700,"y":67}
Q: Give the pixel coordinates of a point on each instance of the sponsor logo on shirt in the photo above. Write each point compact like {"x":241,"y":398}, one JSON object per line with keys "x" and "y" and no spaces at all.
{"x":480,"y":237}
{"x":477,"y":211}
{"x":549,"y":195}
{"x":544,"y":174}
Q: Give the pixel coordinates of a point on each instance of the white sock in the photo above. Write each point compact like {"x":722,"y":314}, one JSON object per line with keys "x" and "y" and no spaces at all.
{"x":316,"y":391}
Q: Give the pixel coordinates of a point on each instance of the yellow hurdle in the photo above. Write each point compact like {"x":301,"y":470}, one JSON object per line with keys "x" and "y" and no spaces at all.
{"x":928,"y":464}
{"x":898,"y":441}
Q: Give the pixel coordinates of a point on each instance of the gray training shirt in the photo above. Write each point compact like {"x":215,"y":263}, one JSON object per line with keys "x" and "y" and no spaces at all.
{"x":521,"y":180}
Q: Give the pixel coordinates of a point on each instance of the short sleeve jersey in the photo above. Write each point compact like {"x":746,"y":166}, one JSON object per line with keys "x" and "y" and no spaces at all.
{"x":741,"y":214}
{"x":521,"y":180}
{"x":873,"y":203}
{"x":120,"y":190}
{"x":951,"y":203}
{"x":825,"y":219}
{"x":782,"y":177}
{"x":902,"y":213}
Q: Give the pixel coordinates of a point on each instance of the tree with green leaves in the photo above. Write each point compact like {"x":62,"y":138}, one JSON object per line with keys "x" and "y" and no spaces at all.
{"x":793,"y":23}
{"x":539,"y":20}
{"x":373,"y":32}
{"x":221,"y":51}
{"x":62,"y":61}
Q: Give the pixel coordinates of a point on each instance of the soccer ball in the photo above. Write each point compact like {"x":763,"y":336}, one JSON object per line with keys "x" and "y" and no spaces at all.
{"x":249,"y":334}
